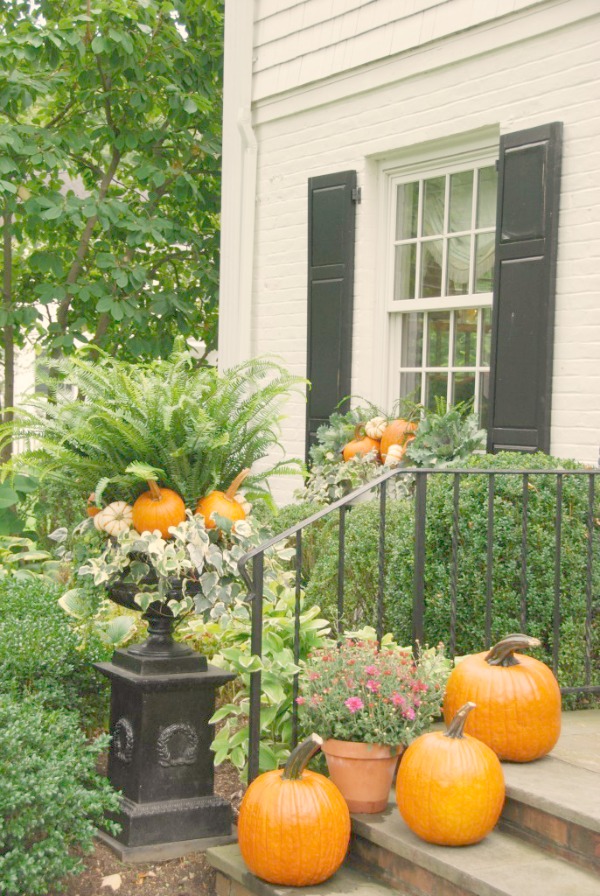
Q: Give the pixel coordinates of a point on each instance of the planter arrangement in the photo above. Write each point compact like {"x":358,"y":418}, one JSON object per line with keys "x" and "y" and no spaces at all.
{"x":371,"y":702}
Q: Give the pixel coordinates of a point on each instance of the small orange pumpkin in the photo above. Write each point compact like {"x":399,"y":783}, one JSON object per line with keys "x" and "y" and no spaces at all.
{"x":223,"y":503}
{"x":91,"y":507}
{"x":450,"y":786}
{"x":158,"y":508}
{"x":360,"y":445}
{"x":294,"y":825}
{"x":518,"y":699}
{"x":398,"y":432}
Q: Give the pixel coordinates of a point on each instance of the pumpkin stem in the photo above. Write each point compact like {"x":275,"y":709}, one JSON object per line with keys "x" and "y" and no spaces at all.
{"x":501,"y":653}
{"x":236,"y":483}
{"x":154,"y":490}
{"x":360,"y":431}
{"x":301,"y":756}
{"x":457,"y":725}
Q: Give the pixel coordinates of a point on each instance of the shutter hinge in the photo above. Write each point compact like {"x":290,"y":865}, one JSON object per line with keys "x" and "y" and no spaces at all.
{"x":356,"y":195}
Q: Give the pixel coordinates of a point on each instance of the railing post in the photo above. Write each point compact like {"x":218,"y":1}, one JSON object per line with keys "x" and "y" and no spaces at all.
{"x":255,"y":677}
{"x":418,"y":620}
{"x":381,"y":561}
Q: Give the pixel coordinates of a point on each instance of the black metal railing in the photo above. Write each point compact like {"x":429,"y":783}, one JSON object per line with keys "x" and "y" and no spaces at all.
{"x":416,"y":481}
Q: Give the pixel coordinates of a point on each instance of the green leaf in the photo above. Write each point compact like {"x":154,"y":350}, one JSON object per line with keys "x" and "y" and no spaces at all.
{"x":8,"y":496}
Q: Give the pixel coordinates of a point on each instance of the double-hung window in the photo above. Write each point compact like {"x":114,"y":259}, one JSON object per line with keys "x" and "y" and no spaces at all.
{"x":439,"y":275}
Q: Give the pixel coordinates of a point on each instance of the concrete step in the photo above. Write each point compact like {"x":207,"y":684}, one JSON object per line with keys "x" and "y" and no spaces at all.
{"x":234,"y":879}
{"x":555,"y":806}
{"x":501,"y":865}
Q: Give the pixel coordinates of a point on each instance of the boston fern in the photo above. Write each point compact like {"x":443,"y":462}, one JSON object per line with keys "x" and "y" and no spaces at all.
{"x":199,"y":427}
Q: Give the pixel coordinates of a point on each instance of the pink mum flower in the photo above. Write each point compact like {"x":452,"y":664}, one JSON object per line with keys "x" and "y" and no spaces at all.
{"x":372,"y":670}
{"x":354,"y":704}
{"x":409,"y":713}
{"x":300,"y":700}
{"x":398,"y":699}
{"x":373,"y":686}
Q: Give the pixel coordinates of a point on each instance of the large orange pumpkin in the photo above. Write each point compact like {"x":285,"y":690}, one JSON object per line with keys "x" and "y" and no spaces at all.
{"x":398,"y":432}
{"x":518,"y":699}
{"x":158,"y":508}
{"x":360,"y":445}
{"x":450,"y":786}
{"x":223,"y":503}
{"x":294,"y":825}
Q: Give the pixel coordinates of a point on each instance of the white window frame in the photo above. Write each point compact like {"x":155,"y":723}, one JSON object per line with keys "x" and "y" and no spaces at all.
{"x":442,"y":158}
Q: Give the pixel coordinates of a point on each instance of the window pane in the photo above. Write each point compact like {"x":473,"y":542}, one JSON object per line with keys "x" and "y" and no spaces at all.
{"x":407,"y":210}
{"x":431,"y":268}
{"x":436,"y":387}
{"x":461,"y":201}
{"x":465,"y":338}
{"x":459,"y":252}
{"x":410,"y":386}
{"x":486,"y":198}
{"x":438,"y":339}
{"x":486,"y":348}
{"x":412,"y":340}
{"x":433,"y":206}
{"x":484,"y":262}
{"x":464,"y":388}
{"x":404,"y":271}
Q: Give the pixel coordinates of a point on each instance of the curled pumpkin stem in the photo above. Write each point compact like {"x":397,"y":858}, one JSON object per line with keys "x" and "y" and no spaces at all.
{"x":230,"y":493}
{"x":502,"y":653}
{"x":301,"y":756}
{"x":456,"y":728}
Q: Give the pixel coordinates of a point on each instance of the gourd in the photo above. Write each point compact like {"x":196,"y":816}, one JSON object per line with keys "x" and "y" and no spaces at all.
{"x":376,"y":427}
{"x":294,"y":825}
{"x":398,"y":432}
{"x":518,"y":699}
{"x":450,"y":786}
{"x":360,"y":445}
{"x":395,"y":454}
{"x":158,"y":508}
{"x":114,"y":518}
{"x":223,"y":503}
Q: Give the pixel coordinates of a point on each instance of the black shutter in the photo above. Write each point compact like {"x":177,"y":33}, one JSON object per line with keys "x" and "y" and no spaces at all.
{"x":331,"y":226}
{"x":524,"y":285}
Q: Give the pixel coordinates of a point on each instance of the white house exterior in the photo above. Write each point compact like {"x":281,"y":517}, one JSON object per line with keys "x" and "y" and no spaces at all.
{"x":414,"y":101}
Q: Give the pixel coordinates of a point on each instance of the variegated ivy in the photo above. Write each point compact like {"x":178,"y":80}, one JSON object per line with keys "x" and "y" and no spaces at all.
{"x":193,"y":554}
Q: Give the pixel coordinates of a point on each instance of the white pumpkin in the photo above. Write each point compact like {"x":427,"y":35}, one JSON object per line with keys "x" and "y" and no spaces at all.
{"x":375,"y":427}
{"x":115,"y":518}
{"x":395,"y":454}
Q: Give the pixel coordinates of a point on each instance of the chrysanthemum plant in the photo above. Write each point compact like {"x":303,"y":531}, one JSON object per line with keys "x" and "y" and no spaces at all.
{"x":373,"y":693}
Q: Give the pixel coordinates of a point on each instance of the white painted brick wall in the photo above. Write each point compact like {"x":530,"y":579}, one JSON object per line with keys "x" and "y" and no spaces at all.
{"x":551,"y":76}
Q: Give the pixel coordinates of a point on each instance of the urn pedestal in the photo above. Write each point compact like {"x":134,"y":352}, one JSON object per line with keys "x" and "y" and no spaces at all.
{"x":162,"y":697}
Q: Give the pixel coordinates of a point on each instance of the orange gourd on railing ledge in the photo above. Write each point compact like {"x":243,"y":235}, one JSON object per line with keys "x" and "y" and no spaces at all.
{"x":158,"y":508}
{"x":294,"y":824}
{"x":518,"y":699}
{"x":223,"y":503}
{"x":450,"y":786}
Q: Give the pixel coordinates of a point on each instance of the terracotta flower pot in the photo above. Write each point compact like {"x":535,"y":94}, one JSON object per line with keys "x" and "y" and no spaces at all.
{"x":362,"y":772}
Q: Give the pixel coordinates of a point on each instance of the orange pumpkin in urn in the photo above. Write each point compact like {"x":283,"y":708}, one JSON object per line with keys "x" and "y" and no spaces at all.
{"x":360,"y":445}
{"x":398,"y":432}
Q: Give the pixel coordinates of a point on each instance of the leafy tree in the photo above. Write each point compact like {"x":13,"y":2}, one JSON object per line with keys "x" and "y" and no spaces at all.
{"x":110,"y":117}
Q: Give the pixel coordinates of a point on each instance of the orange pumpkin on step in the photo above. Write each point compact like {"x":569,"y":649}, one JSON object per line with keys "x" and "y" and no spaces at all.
{"x":223,"y":503}
{"x":518,"y":699}
{"x":360,"y":445}
{"x":294,"y":824}
{"x":158,"y":508}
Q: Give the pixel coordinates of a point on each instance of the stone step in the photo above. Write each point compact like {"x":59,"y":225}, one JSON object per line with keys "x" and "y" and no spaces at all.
{"x":234,"y":879}
{"x":556,"y":806}
{"x":383,"y":847}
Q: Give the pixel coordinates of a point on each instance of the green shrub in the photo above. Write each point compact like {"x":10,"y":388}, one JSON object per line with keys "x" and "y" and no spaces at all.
{"x":51,"y":798}
{"x":361,"y":567}
{"x":41,"y":654}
